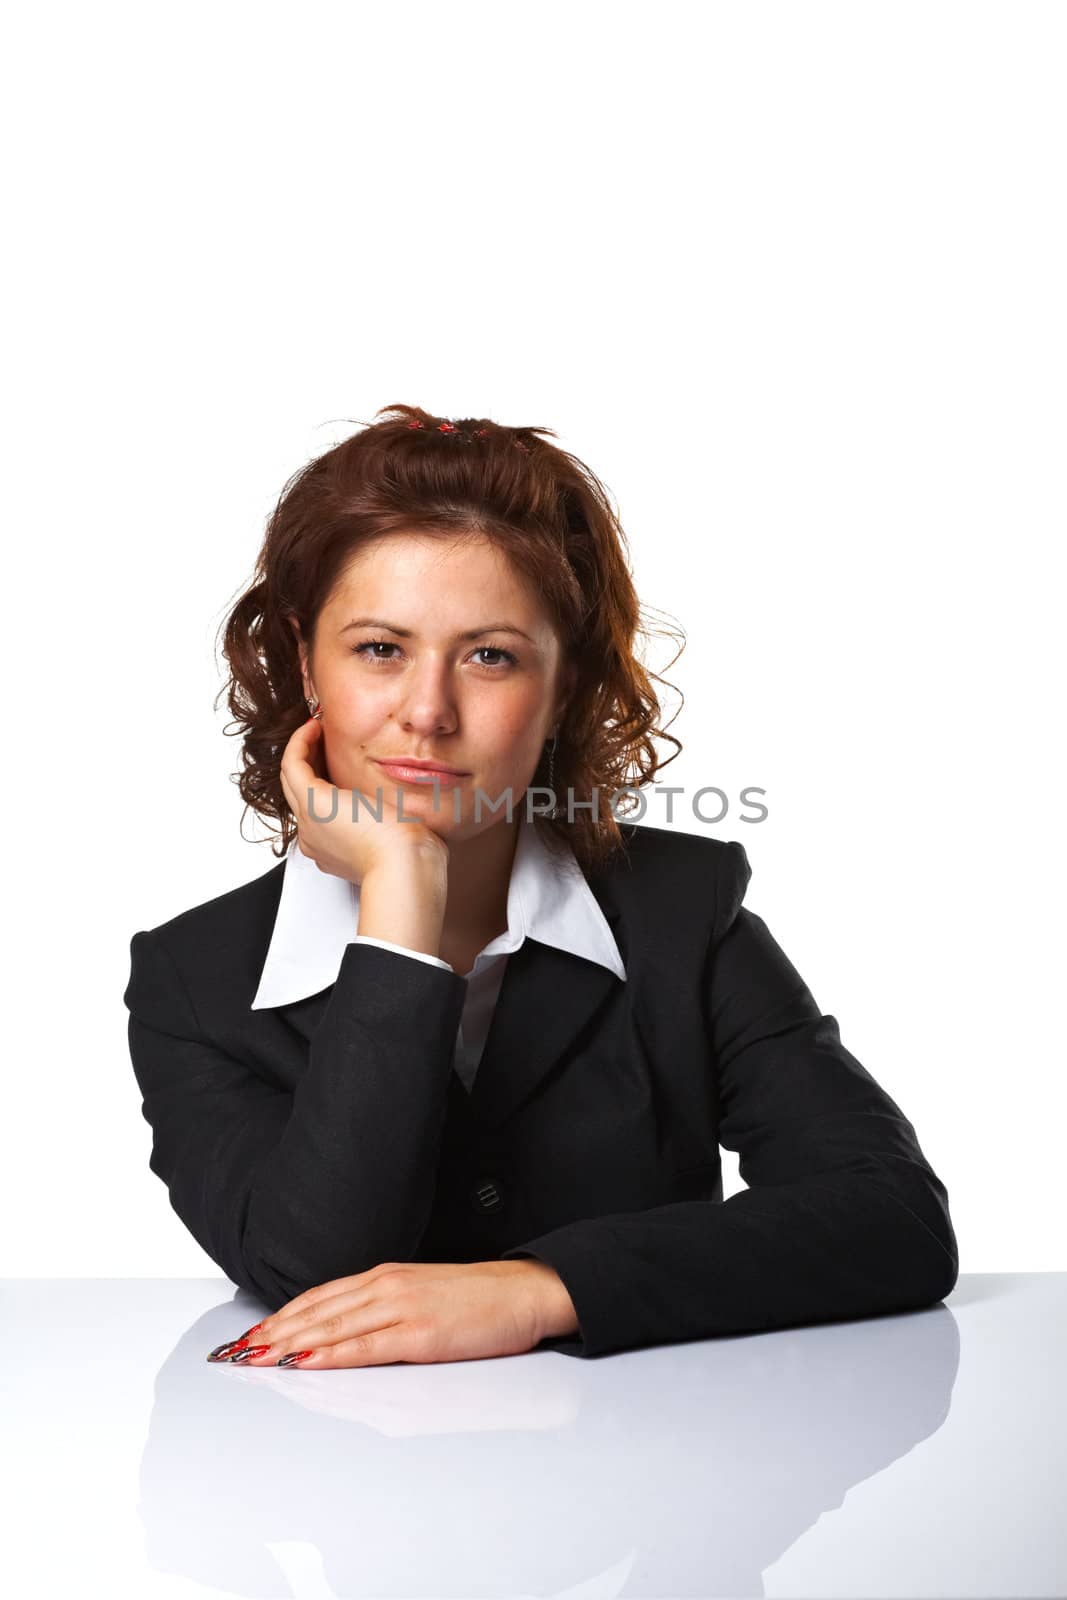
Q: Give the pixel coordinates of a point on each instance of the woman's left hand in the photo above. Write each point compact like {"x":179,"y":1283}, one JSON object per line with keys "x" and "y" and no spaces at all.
{"x":414,"y":1311}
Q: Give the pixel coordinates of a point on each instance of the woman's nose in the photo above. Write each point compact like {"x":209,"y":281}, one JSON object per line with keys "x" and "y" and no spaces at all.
{"x":428,"y":707}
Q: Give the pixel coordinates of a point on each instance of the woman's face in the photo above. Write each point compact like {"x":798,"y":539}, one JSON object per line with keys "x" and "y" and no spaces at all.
{"x":441,"y":684}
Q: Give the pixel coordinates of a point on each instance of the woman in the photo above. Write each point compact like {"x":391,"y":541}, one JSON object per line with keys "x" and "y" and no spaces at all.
{"x":490,"y":1119}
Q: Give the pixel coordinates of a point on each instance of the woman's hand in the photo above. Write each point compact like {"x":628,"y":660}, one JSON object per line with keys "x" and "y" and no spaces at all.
{"x":331,"y":837}
{"x":413,"y":1311}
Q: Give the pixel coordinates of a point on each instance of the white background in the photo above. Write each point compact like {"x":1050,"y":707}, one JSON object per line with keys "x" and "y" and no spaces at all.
{"x":788,"y":277}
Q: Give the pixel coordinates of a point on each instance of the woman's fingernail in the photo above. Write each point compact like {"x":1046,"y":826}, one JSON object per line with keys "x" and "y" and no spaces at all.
{"x":295,"y":1355}
{"x":254,"y":1350}
{"x":222,"y":1352}
{"x":250,"y":1331}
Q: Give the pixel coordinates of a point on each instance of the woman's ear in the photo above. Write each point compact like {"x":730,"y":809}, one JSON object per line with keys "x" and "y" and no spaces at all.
{"x":568,"y":679}
{"x":301,"y":649}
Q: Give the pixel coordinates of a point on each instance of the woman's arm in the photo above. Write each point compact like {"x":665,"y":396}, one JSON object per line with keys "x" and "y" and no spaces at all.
{"x":843,"y":1217}
{"x":271,"y":1184}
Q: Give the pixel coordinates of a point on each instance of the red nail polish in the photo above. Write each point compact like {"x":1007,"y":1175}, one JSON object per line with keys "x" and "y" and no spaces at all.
{"x":222,"y":1352}
{"x":253,"y":1350}
{"x":296,"y":1355}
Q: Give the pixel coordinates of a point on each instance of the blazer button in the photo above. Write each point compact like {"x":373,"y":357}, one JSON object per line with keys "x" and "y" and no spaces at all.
{"x":487,"y":1195}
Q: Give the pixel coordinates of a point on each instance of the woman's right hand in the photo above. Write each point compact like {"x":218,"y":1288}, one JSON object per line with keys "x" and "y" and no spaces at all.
{"x":348,"y":848}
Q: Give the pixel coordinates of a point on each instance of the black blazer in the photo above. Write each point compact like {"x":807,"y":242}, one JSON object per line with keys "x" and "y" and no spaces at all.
{"x":305,"y":1142}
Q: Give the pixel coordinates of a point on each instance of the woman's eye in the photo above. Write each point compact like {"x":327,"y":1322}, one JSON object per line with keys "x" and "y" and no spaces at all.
{"x":369,"y":646}
{"x":492,"y":650}
{"x":373,"y":644}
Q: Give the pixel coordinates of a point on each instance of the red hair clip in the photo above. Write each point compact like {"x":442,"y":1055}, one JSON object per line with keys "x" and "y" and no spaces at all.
{"x":479,"y":433}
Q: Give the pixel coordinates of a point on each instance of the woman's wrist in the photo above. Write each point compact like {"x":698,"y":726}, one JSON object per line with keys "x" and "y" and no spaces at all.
{"x":554,"y":1314}
{"x":403,"y":900}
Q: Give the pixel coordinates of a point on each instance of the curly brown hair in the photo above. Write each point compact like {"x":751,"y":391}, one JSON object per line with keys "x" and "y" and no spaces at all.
{"x":417,"y":473}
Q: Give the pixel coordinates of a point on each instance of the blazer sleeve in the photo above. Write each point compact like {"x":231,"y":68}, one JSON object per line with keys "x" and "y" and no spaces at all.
{"x":843,"y":1216}
{"x":289,"y":1190}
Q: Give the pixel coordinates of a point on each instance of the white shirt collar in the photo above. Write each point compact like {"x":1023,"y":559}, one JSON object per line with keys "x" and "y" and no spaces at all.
{"x":318,"y":915}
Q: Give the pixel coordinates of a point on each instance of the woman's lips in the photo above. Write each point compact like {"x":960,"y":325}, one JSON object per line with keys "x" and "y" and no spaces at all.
{"x":424,"y":775}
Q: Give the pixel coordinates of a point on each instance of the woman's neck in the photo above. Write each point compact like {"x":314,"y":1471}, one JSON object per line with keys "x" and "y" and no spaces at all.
{"x":479,"y":872}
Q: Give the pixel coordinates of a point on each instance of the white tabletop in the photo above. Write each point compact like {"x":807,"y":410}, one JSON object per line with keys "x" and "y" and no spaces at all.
{"x":915,"y":1455}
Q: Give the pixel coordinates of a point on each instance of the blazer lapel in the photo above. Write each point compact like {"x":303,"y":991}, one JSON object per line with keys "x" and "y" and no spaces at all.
{"x":305,"y":1015}
{"x":547,"y":999}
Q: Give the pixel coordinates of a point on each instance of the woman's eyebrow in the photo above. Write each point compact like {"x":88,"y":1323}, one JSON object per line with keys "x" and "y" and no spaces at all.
{"x":406,"y":633}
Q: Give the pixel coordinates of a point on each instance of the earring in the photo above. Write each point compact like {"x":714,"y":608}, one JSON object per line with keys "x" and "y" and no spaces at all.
{"x":552,"y":772}
{"x":314,"y":707}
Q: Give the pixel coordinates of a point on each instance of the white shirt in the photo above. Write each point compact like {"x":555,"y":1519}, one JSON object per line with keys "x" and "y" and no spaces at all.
{"x":318,"y":915}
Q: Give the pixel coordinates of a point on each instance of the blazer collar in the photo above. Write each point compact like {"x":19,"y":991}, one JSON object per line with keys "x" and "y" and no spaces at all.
{"x":549,"y":900}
